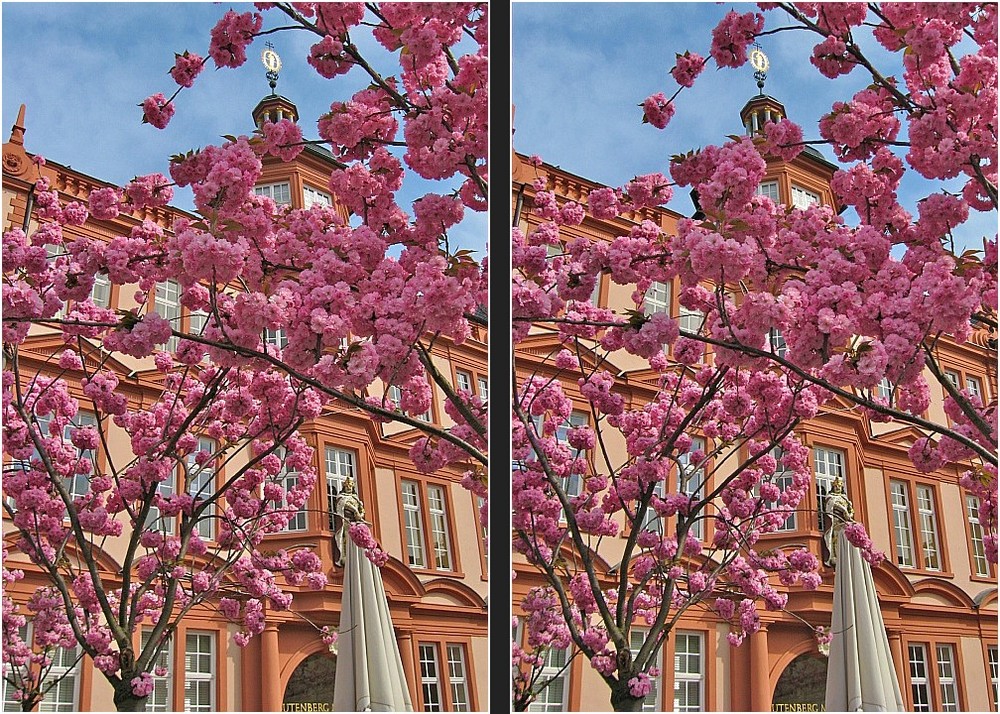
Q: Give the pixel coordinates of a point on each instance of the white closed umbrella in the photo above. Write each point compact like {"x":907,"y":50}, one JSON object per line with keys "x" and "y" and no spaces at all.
{"x":369,"y":670}
{"x":860,"y":675}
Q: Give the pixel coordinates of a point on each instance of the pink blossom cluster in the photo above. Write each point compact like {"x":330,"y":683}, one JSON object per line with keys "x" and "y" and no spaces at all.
{"x":283,"y":139}
{"x":230,"y":38}
{"x":733,"y":35}
{"x":186,"y":68}
{"x":689,"y":65}
{"x":157,"y":110}
{"x":658,"y":110}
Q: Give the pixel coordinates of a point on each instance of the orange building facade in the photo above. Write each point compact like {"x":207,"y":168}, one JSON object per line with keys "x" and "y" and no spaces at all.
{"x":436,"y":578}
{"x":936,"y":588}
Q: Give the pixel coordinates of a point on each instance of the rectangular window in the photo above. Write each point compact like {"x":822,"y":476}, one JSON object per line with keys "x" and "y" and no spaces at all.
{"x":801,"y":198}
{"x":928,"y":528}
{"x":484,"y":389}
{"x":276,"y":338}
{"x":657,"y":298}
{"x":783,"y":479}
{"x":552,"y":698}
{"x":280,"y":193}
{"x":339,"y":466}
{"x":289,"y":480}
{"x":439,"y":527}
{"x":828,"y":465}
{"x":884,"y":390}
{"x":79,"y":484}
{"x":314,"y":197}
{"x":159,"y":700}
{"x":653,"y":521}
{"x":769,"y":189}
{"x":199,"y":672}
{"x":777,"y":342}
{"x":946,"y":678}
{"x":691,"y":320}
{"x":201,"y":484}
{"x":100,"y":294}
{"x":64,"y":673}
{"x":901,"y":524}
{"x":430,"y":682}
{"x":154,"y":519}
{"x":457,"y":678}
{"x":651,"y":702}
{"x":413,"y":525}
{"x":691,"y":481}
{"x":973,"y":387}
{"x":197,"y":321}
{"x":484,"y":533}
{"x":689,"y":672}
{"x":918,"y":679}
{"x":396,"y":395}
{"x":463,"y":380}
{"x":952,"y":377}
{"x":168,"y":304}
{"x":982,"y":566}
{"x":991,"y":654}
{"x":572,"y":485}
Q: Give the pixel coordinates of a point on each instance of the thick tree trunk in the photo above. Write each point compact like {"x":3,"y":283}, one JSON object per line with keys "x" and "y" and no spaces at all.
{"x":125,"y":701}
{"x":623,"y":701}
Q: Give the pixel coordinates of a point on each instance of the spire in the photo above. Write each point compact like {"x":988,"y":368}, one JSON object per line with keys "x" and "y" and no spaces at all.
{"x":762,"y":108}
{"x":273,"y":108}
{"x":17,"y":131}
{"x":760,"y":64}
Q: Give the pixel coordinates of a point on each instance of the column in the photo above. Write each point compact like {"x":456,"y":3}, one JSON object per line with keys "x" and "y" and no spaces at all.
{"x":896,"y":648}
{"x":270,"y":669}
{"x":405,"y":642}
{"x":740,"y":685}
{"x":760,"y":682}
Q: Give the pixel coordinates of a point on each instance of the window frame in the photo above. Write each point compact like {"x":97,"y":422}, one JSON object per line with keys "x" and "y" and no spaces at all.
{"x":809,"y":194}
{"x":974,"y":573}
{"x":270,"y":191}
{"x":902,"y":524}
{"x":828,"y":478}
{"x":211,"y":677}
{"x":441,"y":645}
{"x":306,"y":203}
{"x":687,"y":677}
{"x":331,"y":502}
{"x":684,"y":477}
{"x":931,"y":677}
{"x":423,"y":518}
{"x":63,"y":673}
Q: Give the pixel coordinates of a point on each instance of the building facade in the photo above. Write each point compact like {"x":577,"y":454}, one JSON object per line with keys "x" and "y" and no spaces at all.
{"x":436,"y":577}
{"x":936,"y":588}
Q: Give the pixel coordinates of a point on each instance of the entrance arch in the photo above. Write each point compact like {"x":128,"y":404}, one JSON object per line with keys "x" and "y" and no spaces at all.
{"x":310,"y":688}
{"x":802,"y":686}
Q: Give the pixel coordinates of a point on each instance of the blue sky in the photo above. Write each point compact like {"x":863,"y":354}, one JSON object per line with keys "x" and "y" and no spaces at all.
{"x":580,"y":70}
{"x":82,"y":69}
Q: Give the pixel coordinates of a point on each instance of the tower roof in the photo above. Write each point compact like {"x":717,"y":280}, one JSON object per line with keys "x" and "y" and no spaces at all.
{"x":274,"y":108}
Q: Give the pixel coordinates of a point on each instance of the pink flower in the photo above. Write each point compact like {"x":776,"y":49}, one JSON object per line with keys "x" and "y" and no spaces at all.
{"x":689,"y":65}
{"x":230,"y":38}
{"x":733,"y":35}
{"x":156,"y":110}
{"x":186,"y":67}
{"x":657,"y":110}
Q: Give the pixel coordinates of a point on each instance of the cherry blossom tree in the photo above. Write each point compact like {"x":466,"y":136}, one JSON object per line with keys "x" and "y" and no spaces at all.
{"x":184,"y":484}
{"x":712,"y":462}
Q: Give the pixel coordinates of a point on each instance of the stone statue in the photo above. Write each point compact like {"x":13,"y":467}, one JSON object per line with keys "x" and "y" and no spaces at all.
{"x":351,"y":510}
{"x":839,"y":512}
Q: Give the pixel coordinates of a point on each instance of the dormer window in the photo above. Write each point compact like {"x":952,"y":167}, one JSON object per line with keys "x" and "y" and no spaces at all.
{"x":280,"y":193}
{"x":314,"y":197}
